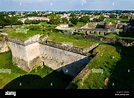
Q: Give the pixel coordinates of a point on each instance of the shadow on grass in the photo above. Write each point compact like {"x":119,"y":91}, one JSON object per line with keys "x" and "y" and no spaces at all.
{"x":74,"y":68}
{"x":126,"y":34}
{"x":54,"y":80}
{"x":57,"y":79}
{"x":122,"y":76}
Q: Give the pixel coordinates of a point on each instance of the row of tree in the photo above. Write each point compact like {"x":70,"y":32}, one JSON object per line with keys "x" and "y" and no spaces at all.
{"x":9,"y":20}
{"x":5,"y":19}
{"x":27,"y":21}
{"x":74,"y":19}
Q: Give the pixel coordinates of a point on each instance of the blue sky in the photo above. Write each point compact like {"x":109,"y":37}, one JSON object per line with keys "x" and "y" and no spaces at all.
{"x":62,"y":5}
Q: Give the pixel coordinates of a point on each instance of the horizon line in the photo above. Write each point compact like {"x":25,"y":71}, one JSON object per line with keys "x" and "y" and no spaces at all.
{"x":66,"y":10}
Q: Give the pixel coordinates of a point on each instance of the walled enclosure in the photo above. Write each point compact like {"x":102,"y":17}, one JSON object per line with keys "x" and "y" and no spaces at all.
{"x":29,"y":53}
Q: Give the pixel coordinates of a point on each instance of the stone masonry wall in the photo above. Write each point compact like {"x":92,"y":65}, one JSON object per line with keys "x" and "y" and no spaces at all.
{"x":70,"y":48}
{"x":25,"y":53}
{"x":68,"y":62}
{"x":23,"y":56}
{"x":55,"y":58}
{"x":29,"y":53}
{"x":123,"y":42}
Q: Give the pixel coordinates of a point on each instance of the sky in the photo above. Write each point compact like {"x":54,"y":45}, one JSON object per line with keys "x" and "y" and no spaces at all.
{"x":65,"y":5}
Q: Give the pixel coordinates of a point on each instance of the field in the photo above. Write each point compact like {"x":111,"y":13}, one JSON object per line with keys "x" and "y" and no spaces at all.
{"x":117,"y":65}
{"x":76,"y":41}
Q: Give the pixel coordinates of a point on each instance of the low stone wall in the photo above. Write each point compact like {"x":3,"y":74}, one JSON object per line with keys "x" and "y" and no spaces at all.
{"x":90,"y":48}
{"x":109,"y":40}
{"x":117,"y":41}
{"x":70,"y":48}
{"x":65,"y":47}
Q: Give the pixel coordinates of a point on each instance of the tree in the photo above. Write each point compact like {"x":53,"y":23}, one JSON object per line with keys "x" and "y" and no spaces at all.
{"x":32,"y":14}
{"x":13,"y":20}
{"x":73,"y":18}
{"x":64,"y":20}
{"x":4,"y":19}
{"x":124,"y":16}
{"x":54,"y":19}
{"x":112,"y":16}
{"x":101,"y":18}
{"x":19,"y":22}
{"x":27,"y":21}
{"x":95,"y":20}
{"x":35,"y":21}
{"x":73,"y":15}
{"x":84,"y":19}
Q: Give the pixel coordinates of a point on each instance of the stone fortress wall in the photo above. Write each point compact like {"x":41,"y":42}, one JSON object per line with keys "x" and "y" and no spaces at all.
{"x":29,"y":53}
{"x":60,"y":57}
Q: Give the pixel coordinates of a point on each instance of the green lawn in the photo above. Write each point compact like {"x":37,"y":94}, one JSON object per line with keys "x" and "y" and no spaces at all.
{"x":53,"y":36}
{"x":114,"y":35}
{"x":113,"y":20}
{"x":76,"y":41}
{"x":22,"y":36}
{"x":6,"y":63}
{"x":27,"y":31}
{"x":79,"y":24}
{"x":124,"y":20}
{"x":105,"y":60}
{"x":117,"y":65}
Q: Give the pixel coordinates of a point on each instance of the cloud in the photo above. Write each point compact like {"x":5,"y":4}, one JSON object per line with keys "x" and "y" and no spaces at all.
{"x":20,"y":4}
{"x":51,"y":3}
{"x":83,"y":2}
{"x":113,"y":4}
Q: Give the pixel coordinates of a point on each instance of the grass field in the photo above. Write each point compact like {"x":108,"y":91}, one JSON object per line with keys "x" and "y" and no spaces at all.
{"x":76,"y":41}
{"x":114,"y":35}
{"x":23,"y":36}
{"x":6,"y":63}
{"x":27,"y":31}
{"x":113,"y":20}
{"x":117,"y":65}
